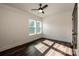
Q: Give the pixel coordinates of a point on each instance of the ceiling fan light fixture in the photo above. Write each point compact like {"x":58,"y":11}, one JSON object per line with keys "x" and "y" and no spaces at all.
{"x":40,"y":10}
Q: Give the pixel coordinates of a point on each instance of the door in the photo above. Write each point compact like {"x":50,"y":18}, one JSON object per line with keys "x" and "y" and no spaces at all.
{"x":74,"y":29}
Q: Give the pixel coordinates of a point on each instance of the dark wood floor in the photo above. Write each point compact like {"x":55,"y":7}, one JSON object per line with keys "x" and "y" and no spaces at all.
{"x":31,"y":50}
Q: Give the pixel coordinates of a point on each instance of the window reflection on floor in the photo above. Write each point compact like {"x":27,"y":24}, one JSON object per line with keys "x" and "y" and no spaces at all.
{"x":54,"y":49}
{"x":52,"y":52}
{"x":48,"y":42}
{"x":41,"y":47}
{"x":63,"y":48}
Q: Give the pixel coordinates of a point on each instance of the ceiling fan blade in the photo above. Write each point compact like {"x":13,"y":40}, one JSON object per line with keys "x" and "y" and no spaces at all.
{"x":43,"y":12}
{"x":35,"y":9}
{"x":44,"y":6}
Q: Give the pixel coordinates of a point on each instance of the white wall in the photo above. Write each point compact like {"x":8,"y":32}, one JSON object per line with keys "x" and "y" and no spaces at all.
{"x":14,"y":27}
{"x":58,"y":26}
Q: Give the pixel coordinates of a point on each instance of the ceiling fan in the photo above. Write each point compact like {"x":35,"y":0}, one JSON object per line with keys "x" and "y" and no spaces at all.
{"x":41,"y":8}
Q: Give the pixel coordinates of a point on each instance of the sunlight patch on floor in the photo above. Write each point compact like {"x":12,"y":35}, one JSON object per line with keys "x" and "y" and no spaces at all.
{"x":56,"y":45}
{"x":56,"y":53}
{"x":63,"y":48}
{"x":48,"y":42}
{"x":56,"y":50}
{"x":69,"y":51}
{"x":52,"y":52}
{"x":60,"y":47}
{"x":41,"y":47}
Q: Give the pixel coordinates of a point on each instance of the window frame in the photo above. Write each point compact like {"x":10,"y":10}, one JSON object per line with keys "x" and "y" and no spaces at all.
{"x":35,"y":31}
{"x":34,"y":26}
{"x":40,"y":27}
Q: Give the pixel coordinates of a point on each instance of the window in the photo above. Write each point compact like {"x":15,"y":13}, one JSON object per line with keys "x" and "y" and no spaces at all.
{"x":38,"y":27}
{"x":32,"y":27}
{"x":35,"y":27}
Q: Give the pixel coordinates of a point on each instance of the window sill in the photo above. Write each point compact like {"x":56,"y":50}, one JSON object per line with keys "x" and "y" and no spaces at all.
{"x":39,"y":33}
{"x":31,"y":34}
{"x":34,"y":34}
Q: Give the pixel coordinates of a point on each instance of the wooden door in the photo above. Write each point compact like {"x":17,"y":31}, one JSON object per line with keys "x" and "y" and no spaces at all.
{"x":74,"y":29}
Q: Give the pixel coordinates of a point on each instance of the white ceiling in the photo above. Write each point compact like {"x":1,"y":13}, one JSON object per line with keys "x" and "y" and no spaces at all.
{"x":51,"y":9}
